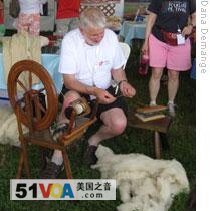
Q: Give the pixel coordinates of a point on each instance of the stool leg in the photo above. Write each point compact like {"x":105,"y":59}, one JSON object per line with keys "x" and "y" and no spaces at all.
{"x":157,"y":145}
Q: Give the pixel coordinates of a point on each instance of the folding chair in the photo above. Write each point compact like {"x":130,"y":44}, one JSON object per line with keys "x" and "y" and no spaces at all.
{"x":126,"y":50}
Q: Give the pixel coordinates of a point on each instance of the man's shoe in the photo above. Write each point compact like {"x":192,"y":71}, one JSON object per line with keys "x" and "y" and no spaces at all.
{"x":59,"y":130}
{"x":89,"y":157}
{"x":171,"y":109}
{"x":51,"y":171}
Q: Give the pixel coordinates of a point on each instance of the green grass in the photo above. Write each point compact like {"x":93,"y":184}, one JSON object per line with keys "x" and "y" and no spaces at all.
{"x":181,"y":137}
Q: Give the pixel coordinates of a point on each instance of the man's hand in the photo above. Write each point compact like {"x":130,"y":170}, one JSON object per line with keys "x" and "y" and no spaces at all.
{"x":126,"y":89}
{"x":104,"y":96}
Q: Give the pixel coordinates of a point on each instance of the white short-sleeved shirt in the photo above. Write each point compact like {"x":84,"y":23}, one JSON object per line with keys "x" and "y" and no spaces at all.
{"x":91,"y":65}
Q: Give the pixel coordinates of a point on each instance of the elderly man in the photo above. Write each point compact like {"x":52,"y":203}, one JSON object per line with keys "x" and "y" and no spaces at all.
{"x":91,"y":58}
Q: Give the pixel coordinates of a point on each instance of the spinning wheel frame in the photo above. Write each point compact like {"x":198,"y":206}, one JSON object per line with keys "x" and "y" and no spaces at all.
{"x":48,"y":113}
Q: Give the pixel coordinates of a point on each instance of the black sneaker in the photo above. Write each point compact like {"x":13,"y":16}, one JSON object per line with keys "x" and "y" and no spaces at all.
{"x":51,"y":171}
{"x":89,"y":157}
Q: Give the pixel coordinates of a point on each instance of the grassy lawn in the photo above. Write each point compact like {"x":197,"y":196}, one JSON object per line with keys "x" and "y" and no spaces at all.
{"x":181,"y":137}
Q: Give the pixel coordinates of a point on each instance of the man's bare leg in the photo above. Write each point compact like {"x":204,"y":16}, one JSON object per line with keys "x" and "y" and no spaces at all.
{"x":114,"y":123}
{"x":69,"y":97}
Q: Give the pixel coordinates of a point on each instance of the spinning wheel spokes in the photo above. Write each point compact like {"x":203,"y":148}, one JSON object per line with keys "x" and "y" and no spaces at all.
{"x":24,"y":97}
{"x":42,"y":109}
{"x":30,"y":79}
{"x":21,"y":85}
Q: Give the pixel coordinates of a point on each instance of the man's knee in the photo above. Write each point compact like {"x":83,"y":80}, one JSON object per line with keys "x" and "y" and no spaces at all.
{"x":118,"y":125}
{"x":69,"y":97}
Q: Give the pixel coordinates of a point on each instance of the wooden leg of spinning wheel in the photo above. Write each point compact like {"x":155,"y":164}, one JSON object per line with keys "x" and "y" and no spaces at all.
{"x":20,"y":166}
{"x":66,"y":164}
{"x":25,"y":159}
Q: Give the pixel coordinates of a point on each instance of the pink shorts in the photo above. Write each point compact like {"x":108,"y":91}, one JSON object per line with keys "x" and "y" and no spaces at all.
{"x":173,"y":57}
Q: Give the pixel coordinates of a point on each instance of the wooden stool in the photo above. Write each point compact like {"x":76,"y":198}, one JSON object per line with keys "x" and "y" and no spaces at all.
{"x":158,"y":126}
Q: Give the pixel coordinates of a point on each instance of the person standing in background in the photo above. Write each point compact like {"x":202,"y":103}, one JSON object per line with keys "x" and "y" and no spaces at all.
{"x":2,"y":27}
{"x":169,"y":25}
{"x":67,"y":16}
{"x":29,"y":16}
{"x":2,"y":11}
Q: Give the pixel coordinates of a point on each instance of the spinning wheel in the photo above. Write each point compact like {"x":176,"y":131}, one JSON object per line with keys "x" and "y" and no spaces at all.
{"x":22,"y":95}
{"x":34,"y":100}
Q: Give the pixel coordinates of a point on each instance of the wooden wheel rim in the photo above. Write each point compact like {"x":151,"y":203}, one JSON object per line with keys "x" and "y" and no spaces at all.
{"x":48,"y":84}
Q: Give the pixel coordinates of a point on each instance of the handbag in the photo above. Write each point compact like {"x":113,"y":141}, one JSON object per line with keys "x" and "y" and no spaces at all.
{"x":14,"y":8}
{"x":169,"y":37}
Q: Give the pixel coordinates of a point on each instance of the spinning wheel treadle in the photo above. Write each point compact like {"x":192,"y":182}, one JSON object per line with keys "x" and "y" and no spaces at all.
{"x":24,"y":98}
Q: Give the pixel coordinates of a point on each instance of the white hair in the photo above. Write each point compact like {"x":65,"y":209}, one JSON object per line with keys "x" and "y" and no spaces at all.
{"x":92,"y":17}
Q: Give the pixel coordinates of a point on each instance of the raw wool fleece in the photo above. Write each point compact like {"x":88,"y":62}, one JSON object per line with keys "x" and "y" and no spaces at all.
{"x":145,"y":184}
{"x":8,"y":126}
